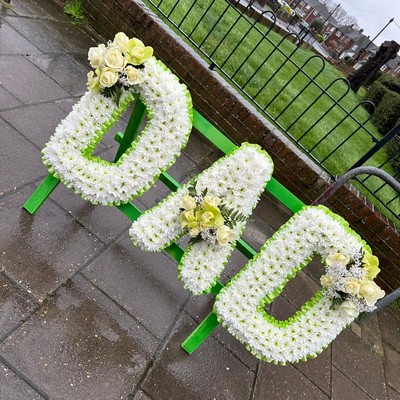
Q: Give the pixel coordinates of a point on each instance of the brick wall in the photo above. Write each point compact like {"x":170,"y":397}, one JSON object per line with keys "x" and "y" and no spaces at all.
{"x":238,"y":119}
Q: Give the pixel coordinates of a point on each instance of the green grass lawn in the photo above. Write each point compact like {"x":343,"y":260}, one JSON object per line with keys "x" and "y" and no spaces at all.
{"x":266,"y":67}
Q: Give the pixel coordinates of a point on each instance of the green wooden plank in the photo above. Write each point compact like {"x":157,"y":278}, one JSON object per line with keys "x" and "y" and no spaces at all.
{"x":200,"y":333}
{"x":284,"y":195}
{"x":212,"y":133}
{"x":170,"y":182}
{"x":129,"y":210}
{"x":41,"y":193}
{"x":131,"y":130}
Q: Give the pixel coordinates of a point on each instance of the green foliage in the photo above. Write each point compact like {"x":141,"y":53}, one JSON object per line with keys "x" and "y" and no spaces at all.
{"x":394,"y":152}
{"x":390,"y":82}
{"x":388,"y":112}
{"x":255,"y":64}
{"x":317,"y":24}
{"x":376,"y":93}
{"x":231,"y":216}
{"x":74,"y":9}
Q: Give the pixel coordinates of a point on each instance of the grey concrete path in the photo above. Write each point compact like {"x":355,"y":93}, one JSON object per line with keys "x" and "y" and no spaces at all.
{"x":86,"y":315}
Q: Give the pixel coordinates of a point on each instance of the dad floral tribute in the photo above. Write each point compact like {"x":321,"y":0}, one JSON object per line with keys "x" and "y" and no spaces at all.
{"x":212,"y":209}
{"x":125,"y":70}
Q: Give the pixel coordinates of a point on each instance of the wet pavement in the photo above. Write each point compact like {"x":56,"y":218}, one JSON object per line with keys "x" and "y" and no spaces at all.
{"x":86,"y":315}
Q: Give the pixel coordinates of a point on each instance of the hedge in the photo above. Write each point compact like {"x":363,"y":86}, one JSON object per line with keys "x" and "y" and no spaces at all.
{"x":388,"y":112}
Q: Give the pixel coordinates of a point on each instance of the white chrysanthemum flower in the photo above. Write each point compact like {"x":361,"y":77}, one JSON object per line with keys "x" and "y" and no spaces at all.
{"x":317,"y":324}
{"x":169,"y":104}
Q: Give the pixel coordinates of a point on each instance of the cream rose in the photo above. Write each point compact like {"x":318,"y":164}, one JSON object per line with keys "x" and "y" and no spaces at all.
{"x":224,"y":235}
{"x":114,"y":59}
{"x":349,"y":308}
{"x":133,"y":75}
{"x":121,"y":41}
{"x":326,"y":281}
{"x":371,"y":292}
{"x":351,"y":285}
{"x":108,"y":77}
{"x":337,"y":258}
{"x":96,"y":56}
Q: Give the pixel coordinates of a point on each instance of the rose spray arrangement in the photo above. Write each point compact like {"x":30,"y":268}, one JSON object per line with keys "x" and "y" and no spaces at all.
{"x":117,"y":65}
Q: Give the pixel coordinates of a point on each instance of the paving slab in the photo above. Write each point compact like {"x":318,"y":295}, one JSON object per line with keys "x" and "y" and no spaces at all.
{"x":14,"y":388}
{"x":141,"y":396}
{"x":371,"y":335}
{"x":26,"y":82}
{"x":344,"y":388}
{"x":389,"y":324}
{"x":392,"y":367}
{"x":210,"y":372}
{"x":318,"y":370}
{"x":20,"y":161}
{"x":365,"y":369}
{"x":81,"y":346}
{"x":145,"y":284}
{"x":7,"y":100}
{"x":284,"y":383}
{"x":33,"y":9}
{"x":41,"y":251}
{"x":55,"y":65}
{"x":198,"y":147}
{"x":106,"y":223}
{"x":11,"y":42}
{"x":52,"y":36}
{"x":36,"y":122}
{"x":393,"y":395}
{"x":15,"y":306}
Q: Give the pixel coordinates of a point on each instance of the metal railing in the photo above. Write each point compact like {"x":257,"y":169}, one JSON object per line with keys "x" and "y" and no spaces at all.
{"x":297,"y":92}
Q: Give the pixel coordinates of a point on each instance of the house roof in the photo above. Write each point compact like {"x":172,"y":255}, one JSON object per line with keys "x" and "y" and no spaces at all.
{"x":394,"y":63}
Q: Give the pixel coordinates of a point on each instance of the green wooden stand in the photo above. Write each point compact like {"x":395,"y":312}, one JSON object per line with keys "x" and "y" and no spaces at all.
{"x":206,"y":327}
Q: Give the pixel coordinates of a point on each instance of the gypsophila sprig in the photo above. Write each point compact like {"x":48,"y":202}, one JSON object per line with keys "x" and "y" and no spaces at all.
{"x":348,"y":282}
{"x":207,"y":218}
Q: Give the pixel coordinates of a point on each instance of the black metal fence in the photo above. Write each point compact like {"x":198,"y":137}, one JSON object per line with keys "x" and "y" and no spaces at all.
{"x":304,"y":96}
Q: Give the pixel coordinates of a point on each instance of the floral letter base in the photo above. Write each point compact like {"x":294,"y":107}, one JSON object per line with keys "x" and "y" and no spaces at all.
{"x":350,"y":268}
{"x":125,"y":70}
{"x":233,"y":181}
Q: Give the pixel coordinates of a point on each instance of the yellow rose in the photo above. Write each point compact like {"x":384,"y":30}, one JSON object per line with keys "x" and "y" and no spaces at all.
{"x":108,"y":77}
{"x":213,"y":217}
{"x":371,"y":292}
{"x":326,"y":281}
{"x":371,"y":265}
{"x":114,"y":59}
{"x":348,"y":308}
{"x":133,"y":75}
{"x":351,"y":285}
{"x":138,"y":53}
{"x":96,"y":56}
{"x":225,"y":235}
{"x":337,"y":258}
{"x":121,"y":41}
{"x":189,"y":219}
{"x":93,"y":82}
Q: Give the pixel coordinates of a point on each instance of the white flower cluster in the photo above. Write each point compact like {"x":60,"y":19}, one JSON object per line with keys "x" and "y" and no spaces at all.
{"x":238,"y":179}
{"x":239,"y":306}
{"x":349,"y":282}
{"x":68,"y":152}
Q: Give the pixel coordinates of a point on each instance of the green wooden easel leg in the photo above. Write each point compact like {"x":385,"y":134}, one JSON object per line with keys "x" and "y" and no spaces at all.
{"x":197,"y":337}
{"x":42,"y":192}
{"x":131,"y":130}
